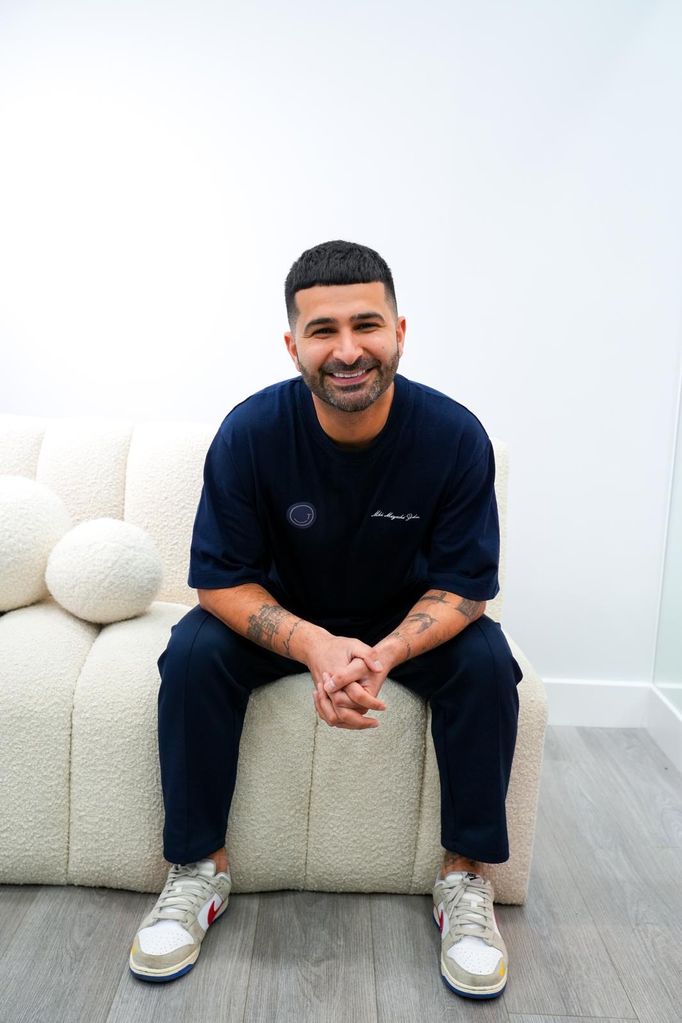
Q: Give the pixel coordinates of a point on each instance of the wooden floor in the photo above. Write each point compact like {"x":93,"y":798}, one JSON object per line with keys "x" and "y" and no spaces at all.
{"x":600,"y":936}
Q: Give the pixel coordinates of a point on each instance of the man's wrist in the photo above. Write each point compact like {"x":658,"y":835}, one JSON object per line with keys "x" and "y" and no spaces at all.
{"x":392,"y":650}
{"x":303,"y":635}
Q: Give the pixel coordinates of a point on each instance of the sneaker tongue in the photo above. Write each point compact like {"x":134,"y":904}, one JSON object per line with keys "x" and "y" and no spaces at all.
{"x":206,"y":867}
{"x":471,"y":897}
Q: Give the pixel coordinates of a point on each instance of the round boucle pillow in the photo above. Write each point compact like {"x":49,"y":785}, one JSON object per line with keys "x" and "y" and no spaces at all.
{"x":32,"y":519}
{"x":104,"y":570}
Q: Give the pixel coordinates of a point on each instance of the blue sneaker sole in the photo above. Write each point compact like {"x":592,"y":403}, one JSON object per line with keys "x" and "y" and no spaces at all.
{"x":180,"y":973}
{"x":466,"y":994}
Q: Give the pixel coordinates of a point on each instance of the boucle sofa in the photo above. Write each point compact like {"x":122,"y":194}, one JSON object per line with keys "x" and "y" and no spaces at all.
{"x":314,"y":807}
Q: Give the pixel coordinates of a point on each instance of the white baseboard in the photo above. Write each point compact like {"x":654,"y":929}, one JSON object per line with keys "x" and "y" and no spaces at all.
{"x":664,"y":725}
{"x":605,"y":704}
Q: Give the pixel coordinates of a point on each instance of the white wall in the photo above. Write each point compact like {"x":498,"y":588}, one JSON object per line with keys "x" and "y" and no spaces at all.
{"x":517,"y":165}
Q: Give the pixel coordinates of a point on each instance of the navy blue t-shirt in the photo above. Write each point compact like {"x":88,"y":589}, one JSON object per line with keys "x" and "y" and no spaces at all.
{"x":337,"y":535}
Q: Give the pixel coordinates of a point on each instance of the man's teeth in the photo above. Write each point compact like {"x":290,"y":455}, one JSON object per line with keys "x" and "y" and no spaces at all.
{"x":348,"y":375}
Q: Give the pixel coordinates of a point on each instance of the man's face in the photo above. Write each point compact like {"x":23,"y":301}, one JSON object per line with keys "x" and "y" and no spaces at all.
{"x":360,"y":333}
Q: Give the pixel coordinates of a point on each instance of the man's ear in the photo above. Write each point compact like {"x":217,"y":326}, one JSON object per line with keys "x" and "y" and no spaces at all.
{"x":291,"y":348}
{"x":402,"y":324}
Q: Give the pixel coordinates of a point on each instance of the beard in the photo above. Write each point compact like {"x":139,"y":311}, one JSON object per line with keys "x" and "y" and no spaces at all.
{"x":352,"y":397}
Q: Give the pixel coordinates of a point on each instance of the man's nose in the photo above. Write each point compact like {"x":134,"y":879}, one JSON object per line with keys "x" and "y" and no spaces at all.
{"x":347,"y":348}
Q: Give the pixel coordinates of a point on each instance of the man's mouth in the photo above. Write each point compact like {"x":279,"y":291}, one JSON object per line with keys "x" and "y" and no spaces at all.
{"x":355,"y":377}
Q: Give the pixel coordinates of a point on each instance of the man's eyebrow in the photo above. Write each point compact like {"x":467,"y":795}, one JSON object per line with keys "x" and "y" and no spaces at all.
{"x":353,"y":319}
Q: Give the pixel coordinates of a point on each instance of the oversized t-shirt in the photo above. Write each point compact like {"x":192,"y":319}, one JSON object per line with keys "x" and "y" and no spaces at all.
{"x":348,"y":537}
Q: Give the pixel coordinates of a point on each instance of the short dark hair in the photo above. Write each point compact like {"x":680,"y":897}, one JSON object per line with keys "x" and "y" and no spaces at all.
{"x":337,"y":262}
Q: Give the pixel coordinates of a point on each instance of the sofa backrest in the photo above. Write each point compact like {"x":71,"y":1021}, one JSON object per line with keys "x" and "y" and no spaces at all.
{"x":147,"y":473}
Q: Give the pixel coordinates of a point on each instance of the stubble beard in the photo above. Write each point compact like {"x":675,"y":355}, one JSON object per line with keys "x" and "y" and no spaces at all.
{"x":346,"y":400}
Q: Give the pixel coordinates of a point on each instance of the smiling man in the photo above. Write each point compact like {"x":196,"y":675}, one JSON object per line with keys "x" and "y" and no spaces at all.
{"x":347,"y":527}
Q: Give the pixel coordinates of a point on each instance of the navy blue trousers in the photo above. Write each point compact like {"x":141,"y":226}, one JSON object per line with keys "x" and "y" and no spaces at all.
{"x":208,"y":672}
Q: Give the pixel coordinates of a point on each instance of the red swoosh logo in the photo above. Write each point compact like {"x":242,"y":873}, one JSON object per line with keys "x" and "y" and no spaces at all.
{"x":213,"y":912}
{"x":440,"y":919}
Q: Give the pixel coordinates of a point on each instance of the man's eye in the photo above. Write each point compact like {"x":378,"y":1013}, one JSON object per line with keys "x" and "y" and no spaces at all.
{"x":326,"y":330}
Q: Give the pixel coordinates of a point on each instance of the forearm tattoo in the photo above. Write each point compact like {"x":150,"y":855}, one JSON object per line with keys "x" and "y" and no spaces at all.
{"x":287,"y":641}
{"x":263,"y":626}
{"x":440,"y":597}
{"x":422,"y":620}
{"x":471,"y":609}
{"x":397,"y":634}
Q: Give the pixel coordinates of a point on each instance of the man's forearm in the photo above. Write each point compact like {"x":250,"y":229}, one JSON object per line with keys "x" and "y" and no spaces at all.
{"x":437,"y":616}
{"x":254,"y":613}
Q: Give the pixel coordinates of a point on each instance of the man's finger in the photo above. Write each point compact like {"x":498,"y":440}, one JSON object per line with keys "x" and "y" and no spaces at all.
{"x":326,"y":707}
{"x":353,"y":719}
{"x":341,"y":718}
{"x":360,"y":695}
{"x":316,"y":703}
{"x":371,"y":657}
{"x":341,"y":699}
{"x":344,"y":677}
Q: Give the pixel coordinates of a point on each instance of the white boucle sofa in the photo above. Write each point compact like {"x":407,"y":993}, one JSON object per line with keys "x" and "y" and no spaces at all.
{"x":314,"y":807}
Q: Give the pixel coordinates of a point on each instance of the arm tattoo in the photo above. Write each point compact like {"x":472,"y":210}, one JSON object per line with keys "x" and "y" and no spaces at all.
{"x":438,"y":598}
{"x":470,"y":608}
{"x":422,"y":619}
{"x":287,"y":641}
{"x":263,"y":626}
{"x":398,"y":635}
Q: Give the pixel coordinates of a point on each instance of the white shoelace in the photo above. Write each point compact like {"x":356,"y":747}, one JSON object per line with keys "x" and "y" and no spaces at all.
{"x":469,"y":908}
{"x":184,"y":893}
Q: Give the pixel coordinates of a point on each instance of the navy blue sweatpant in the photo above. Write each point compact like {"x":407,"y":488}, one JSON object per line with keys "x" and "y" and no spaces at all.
{"x":208,"y":672}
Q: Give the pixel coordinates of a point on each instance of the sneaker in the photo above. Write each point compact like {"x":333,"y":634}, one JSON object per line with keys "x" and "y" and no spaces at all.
{"x":169,"y":939}
{"x":473,"y":960}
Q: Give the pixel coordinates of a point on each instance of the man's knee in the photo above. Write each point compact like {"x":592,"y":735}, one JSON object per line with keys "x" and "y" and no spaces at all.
{"x":487,"y":635}
{"x":481,"y":652}
{"x":198,"y":635}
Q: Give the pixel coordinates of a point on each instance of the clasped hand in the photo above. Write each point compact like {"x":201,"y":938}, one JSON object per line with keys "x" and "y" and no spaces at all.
{"x":347,"y":675}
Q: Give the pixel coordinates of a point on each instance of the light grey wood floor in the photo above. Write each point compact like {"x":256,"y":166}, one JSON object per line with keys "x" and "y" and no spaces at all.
{"x":600,"y":936}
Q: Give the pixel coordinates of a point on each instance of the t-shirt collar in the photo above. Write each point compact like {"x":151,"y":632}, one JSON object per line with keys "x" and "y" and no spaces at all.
{"x":377,"y":444}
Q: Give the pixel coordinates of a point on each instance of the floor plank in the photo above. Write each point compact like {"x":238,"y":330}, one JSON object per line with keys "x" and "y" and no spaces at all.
{"x":15,"y":901}
{"x":312,"y":959}
{"x":559,"y":962}
{"x":632,"y":886}
{"x":63,"y":961}
{"x":514,"y":1017}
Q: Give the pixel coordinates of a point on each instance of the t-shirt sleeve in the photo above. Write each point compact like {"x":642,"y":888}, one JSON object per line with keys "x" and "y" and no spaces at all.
{"x":464,"y":551}
{"x":227,"y":546}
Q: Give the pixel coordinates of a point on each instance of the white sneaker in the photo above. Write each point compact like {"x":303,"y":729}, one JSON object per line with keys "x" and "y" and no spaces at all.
{"x":473,"y":959}
{"x":168,"y":941}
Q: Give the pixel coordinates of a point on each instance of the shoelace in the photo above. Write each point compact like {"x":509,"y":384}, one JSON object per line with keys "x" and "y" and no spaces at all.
{"x":467,"y":915}
{"x":184,"y":892}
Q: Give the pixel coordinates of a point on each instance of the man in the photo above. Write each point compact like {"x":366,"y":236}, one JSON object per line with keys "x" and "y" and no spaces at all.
{"x":347,"y":526}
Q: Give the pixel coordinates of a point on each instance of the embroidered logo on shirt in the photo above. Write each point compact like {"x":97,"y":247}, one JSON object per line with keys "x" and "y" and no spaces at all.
{"x":406,"y":516}
{"x":301,"y":514}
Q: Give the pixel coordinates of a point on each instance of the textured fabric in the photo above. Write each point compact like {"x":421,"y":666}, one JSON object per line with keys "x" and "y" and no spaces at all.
{"x":284,"y":506}
{"x":104,"y":570}
{"x":32,"y":520}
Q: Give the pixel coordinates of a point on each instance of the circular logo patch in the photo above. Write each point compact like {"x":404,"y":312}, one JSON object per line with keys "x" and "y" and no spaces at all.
{"x":301,"y":515}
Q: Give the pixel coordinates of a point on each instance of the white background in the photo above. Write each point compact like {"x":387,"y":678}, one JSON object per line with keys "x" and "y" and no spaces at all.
{"x":517,"y":164}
